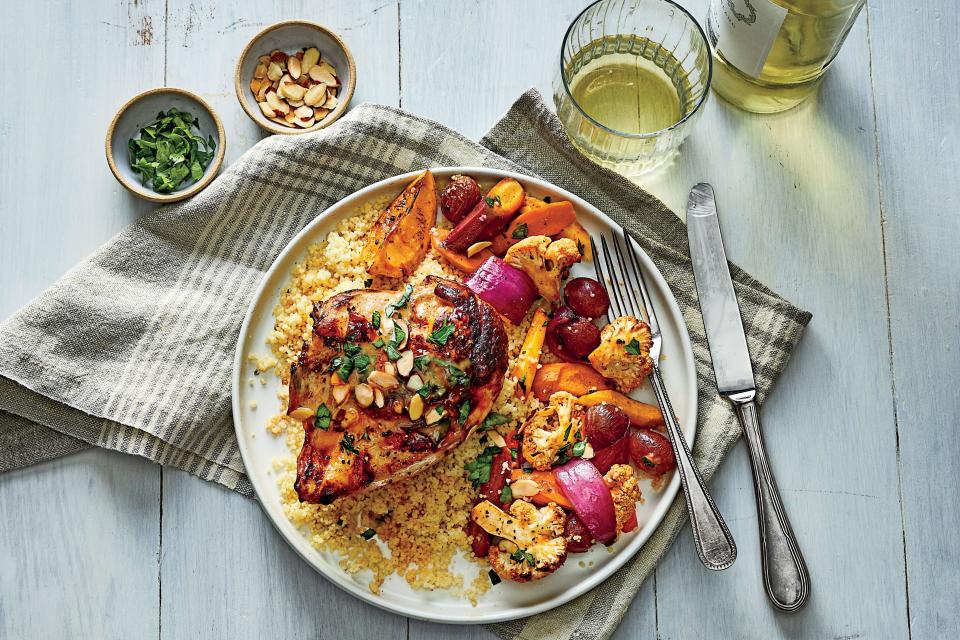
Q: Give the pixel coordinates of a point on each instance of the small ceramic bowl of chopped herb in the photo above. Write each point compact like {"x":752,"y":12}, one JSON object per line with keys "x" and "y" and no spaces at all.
{"x":165,"y":144}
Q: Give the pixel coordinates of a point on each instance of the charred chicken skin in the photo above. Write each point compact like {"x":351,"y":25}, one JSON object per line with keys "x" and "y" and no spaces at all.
{"x":390,"y":381}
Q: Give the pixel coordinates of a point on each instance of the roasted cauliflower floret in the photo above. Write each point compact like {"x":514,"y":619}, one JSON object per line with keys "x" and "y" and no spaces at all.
{"x":552,"y":428}
{"x":624,"y":491}
{"x":624,"y":353}
{"x":533,"y":544}
{"x":546,"y":262}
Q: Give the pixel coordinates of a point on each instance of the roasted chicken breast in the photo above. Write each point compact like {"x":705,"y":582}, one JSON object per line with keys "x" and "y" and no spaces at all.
{"x":390,"y":381}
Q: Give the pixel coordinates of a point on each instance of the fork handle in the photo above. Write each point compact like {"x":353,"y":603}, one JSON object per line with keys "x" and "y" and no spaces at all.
{"x":785,"y":575}
{"x":715,"y":545}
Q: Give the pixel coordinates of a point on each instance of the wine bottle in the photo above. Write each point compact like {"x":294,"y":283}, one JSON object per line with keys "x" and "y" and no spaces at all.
{"x":770,"y":55}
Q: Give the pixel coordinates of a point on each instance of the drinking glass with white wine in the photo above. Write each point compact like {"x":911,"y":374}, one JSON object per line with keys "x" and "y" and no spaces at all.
{"x":633,"y":77}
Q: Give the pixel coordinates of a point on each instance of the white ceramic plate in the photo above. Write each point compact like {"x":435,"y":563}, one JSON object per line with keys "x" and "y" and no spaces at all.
{"x":506,"y":601}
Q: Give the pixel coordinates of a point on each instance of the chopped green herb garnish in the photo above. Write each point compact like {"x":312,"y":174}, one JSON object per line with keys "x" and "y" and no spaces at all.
{"x":514,"y":453}
{"x":369,"y":533}
{"x":521,"y":232}
{"x":343,"y":365}
{"x":346,"y":443}
{"x":464,"y":412}
{"x":578,"y":449}
{"x":495,"y":200}
{"x":647,"y":462}
{"x":420,"y":362}
{"x":523,"y":383}
{"x":440,"y":336}
{"x":566,"y":432}
{"x":492,"y":420}
{"x":494,"y":578}
{"x":522,"y":555}
{"x":351,"y":349}
{"x":633,"y":347}
{"x":479,"y":469}
{"x":392,"y":354}
{"x":426,"y":389}
{"x":399,"y":335}
{"x":393,"y":307}
{"x":168,"y":152}
{"x":322,"y":419}
{"x":506,"y":494}
{"x":375,"y":320}
{"x":368,"y":282}
{"x":378,"y":343}
{"x":455,"y":374}
{"x":361,"y":362}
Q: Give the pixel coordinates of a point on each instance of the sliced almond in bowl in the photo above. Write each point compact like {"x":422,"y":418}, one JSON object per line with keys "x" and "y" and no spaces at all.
{"x":293,"y":65}
{"x":317,"y":94}
{"x":267,"y":109}
{"x":260,"y":71}
{"x":292,"y":91}
{"x":278,"y":105}
{"x":320,"y":114}
{"x":310,"y":58}
{"x":274,"y":72}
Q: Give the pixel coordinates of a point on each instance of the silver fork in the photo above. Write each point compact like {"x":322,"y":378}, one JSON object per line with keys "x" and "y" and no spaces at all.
{"x":715,"y":545}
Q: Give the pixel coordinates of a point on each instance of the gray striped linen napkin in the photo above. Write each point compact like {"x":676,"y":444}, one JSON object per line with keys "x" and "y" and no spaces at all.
{"x":132,"y":349}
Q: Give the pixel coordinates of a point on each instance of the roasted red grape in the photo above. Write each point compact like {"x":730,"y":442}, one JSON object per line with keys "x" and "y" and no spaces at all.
{"x":459,"y":197}
{"x":651,"y":452}
{"x":586,"y":297}
{"x":577,"y":535}
{"x":617,"y":453}
{"x":561,"y":317}
{"x":605,"y":424}
{"x":580,"y":337}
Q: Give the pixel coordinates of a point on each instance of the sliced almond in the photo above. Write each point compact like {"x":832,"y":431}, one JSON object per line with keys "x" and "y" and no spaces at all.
{"x":477,"y":247}
{"x":305,"y":124}
{"x":386,"y":327}
{"x":416,"y":407}
{"x":267,"y":109}
{"x":524,"y":488}
{"x":274,"y":72}
{"x":329,"y":68}
{"x":293,"y":65}
{"x":496,"y":439}
{"x":405,"y":363}
{"x":315,"y":95}
{"x":320,"y":74}
{"x":290,"y":117}
{"x":255,"y":86}
{"x":320,"y":114}
{"x":340,"y":393}
{"x":292,"y":90}
{"x":303,"y":112}
{"x":278,"y":56}
{"x":363,"y":392}
{"x":331,"y":102}
{"x":302,"y":413}
{"x":278,"y":105}
{"x":378,"y":398}
{"x":415,"y":383}
{"x":298,"y":103}
{"x":588,"y":452}
{"x":264,"y":60}
{"x":260,"y":71}
{"x":433,"y":416}
{"x":280,"y":121}
{"x":262,"y":93}
{"x":389,"y":368}
{"x":310,"y":57}
{"x":285,"y":79}
{"x":383,"y":380}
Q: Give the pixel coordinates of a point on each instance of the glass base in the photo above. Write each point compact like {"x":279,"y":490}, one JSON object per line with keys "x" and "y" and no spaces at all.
{"x":758,"y":96}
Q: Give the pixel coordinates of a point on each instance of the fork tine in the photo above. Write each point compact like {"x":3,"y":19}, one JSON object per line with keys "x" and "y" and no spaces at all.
{"x":600,"y":276}
{"x":644,"y":291}
{"x":614,"y":279}
{"x":628,"y":291}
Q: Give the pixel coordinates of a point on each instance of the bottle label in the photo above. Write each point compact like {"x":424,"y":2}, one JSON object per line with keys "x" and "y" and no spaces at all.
{"x":743,"y":31}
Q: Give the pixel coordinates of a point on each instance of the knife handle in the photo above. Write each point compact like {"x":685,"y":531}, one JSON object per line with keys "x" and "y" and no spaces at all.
{"x":715,"y":545}
{"x":785,"y":575}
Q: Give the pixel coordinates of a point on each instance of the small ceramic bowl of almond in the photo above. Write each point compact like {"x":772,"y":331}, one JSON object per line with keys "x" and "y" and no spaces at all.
{"x":294,"y":77}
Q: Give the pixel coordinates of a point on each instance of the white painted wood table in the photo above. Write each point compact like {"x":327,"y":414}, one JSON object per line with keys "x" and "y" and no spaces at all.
{"x":848,"y":206}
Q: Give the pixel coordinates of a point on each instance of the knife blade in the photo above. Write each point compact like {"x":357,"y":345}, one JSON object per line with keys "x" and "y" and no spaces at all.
{"x":718,"y":302}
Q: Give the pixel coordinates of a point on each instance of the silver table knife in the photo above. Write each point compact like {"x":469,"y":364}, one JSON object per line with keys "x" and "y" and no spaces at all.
{"x":785,"y":575}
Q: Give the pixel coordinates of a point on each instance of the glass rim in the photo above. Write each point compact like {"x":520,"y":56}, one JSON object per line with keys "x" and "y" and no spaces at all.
{"x":651,"y":134}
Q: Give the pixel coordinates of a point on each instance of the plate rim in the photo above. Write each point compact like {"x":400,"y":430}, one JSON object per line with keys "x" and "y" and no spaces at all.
{"x":329,"y":216}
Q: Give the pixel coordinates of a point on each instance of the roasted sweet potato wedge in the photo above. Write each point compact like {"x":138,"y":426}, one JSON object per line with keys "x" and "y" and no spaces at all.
{"x":456,"y":260}
{"x":400,"y":238}
{"x":578,"y":234}
{"x":572,"y":377}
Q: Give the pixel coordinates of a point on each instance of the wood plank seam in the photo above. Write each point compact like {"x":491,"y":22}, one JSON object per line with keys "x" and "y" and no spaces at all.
{"x":886,"y":290}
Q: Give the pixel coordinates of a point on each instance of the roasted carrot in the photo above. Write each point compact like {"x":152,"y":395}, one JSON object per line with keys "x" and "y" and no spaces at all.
{"x":642,"y":415}
{"x":550,"y":491}
{"x":548,"y":220}
{"x":488,"y":217}
{"x":525,"y":366}
{"x":455,"y":259}
{"x":572,"y":377}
